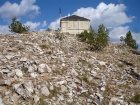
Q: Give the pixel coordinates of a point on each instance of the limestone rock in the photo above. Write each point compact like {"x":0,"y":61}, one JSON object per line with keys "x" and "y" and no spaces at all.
{"x":102,"y":63}
{"x":19,"y":73}
{"x":34,"y":75}
{"x":5,"y":82}
{"x":63,"y":88}
{"x":36,"y":98}
{"x":23,"y":90}
{"x":24,"y":59}
{"x":69,"y":100}
{"x":45,"y":91}
{"x":99,"y":96}
{"x":9,"y":57}
{"x":42,"y":68}
{"x":1,"y":103}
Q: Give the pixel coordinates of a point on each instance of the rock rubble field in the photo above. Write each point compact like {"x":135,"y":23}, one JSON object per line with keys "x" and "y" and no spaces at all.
{"x":40,"y":69}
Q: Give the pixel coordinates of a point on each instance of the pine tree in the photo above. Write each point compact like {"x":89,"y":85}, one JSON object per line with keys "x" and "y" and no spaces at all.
{"x":102,"y":37}
{"x":17,"y":27}
{"x":96,"y":41}
{"x":129,"y":41}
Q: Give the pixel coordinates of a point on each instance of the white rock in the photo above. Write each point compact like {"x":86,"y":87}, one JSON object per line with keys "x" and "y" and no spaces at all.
{"x":69,"y":100}
{"x":76,"y":80}
{"x":11,"y":74}
{"x":61,"y":82}
{"x":99,"y":96}
{"x":93,"y":73}
{"x":103,"y":88}
{"x":24,"y":59}
{"x":36,"y":98}
{"x":34,"y":75}
{"x":63,"y":88}
{"x":93,"y":57}
{"x":5,"y":71}
{"x":102,"y":63}
{"x":1,"y":56}
{"x":20,"y":89}
{"x":30,"y":69}
{"x":15,"y":97}
{"x":83,"y":91}
{"x":7,"y":93}
{"x":121,"y":101}
{"x":60,"y":97}
{"x":97,"y":68}
{"x":42,"y":68}
{"x":73,"y":85}
{"x":48,"y":69}
{"x":29,"y":87}
{"x":51,"y":87}
{"x":63,"y":64}
{"x":5,"y":82}
{"x":74,"y":72}
{"x":9,"y":57}
{"x":89,"y":100}
{"x":1,"y":103}
{"x":19,"y":73}
{"x":45,"y":91}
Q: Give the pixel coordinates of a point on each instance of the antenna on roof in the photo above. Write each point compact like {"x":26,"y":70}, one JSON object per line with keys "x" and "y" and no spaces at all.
{"x":60,"y":11}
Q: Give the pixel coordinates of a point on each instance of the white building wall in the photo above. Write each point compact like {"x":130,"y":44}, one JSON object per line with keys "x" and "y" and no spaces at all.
{"x":74,"y":27}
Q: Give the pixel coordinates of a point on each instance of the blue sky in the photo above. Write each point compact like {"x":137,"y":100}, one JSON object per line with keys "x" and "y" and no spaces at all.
{"x":119,"y":16}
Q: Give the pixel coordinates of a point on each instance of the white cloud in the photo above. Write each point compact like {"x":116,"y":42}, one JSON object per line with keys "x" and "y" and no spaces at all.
{"x":4,"y":29}
{"x":136,"y":37}
{"x":26,"y":7}
{"x":36,"y":25}
{"x":110,"y":15}
{"x":55,"y":25}
{"x":44,"y":24}
{"x":117,"y":32}
{"x":32,"y":25}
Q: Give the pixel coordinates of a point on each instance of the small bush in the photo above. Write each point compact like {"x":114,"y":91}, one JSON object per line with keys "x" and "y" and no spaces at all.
{"x":135,"y":98}
{"x":55,"y":91}
{"x":44,"y":46}
{"x":59,"y":35}
{"x":41,"y":102}
{"x":120,"y":65}
{"x":48,"y":29}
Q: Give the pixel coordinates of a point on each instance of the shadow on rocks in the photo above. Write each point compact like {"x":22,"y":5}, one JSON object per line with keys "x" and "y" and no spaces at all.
{"x":135,"y":52}
{"x":133,"y":73}
{"x":126,"y":63}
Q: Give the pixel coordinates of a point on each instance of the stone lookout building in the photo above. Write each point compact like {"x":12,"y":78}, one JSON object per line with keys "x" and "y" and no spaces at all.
{"x":74,"y":24}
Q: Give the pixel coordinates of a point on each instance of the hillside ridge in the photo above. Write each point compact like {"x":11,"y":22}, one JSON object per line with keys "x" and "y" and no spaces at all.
{"x":40,"y":68}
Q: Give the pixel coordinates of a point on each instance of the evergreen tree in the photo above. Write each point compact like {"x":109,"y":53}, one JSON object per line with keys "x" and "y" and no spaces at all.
{"x":96,"y":41}
{"x":129,"y":41}
{"x":103,"y":37}
{"x":17,"y":27}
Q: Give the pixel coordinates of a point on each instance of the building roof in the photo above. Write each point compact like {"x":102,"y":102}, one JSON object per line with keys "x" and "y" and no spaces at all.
{"x":75,"y":18}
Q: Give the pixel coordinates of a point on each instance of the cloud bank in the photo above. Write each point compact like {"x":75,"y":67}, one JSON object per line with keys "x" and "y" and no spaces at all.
{"x":26,"y":7}
{"x":111,"y":15}
{"x":4,"y":29}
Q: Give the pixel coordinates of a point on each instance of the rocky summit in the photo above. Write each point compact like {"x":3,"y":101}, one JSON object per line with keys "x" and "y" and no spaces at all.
{"x":43,"y":68}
